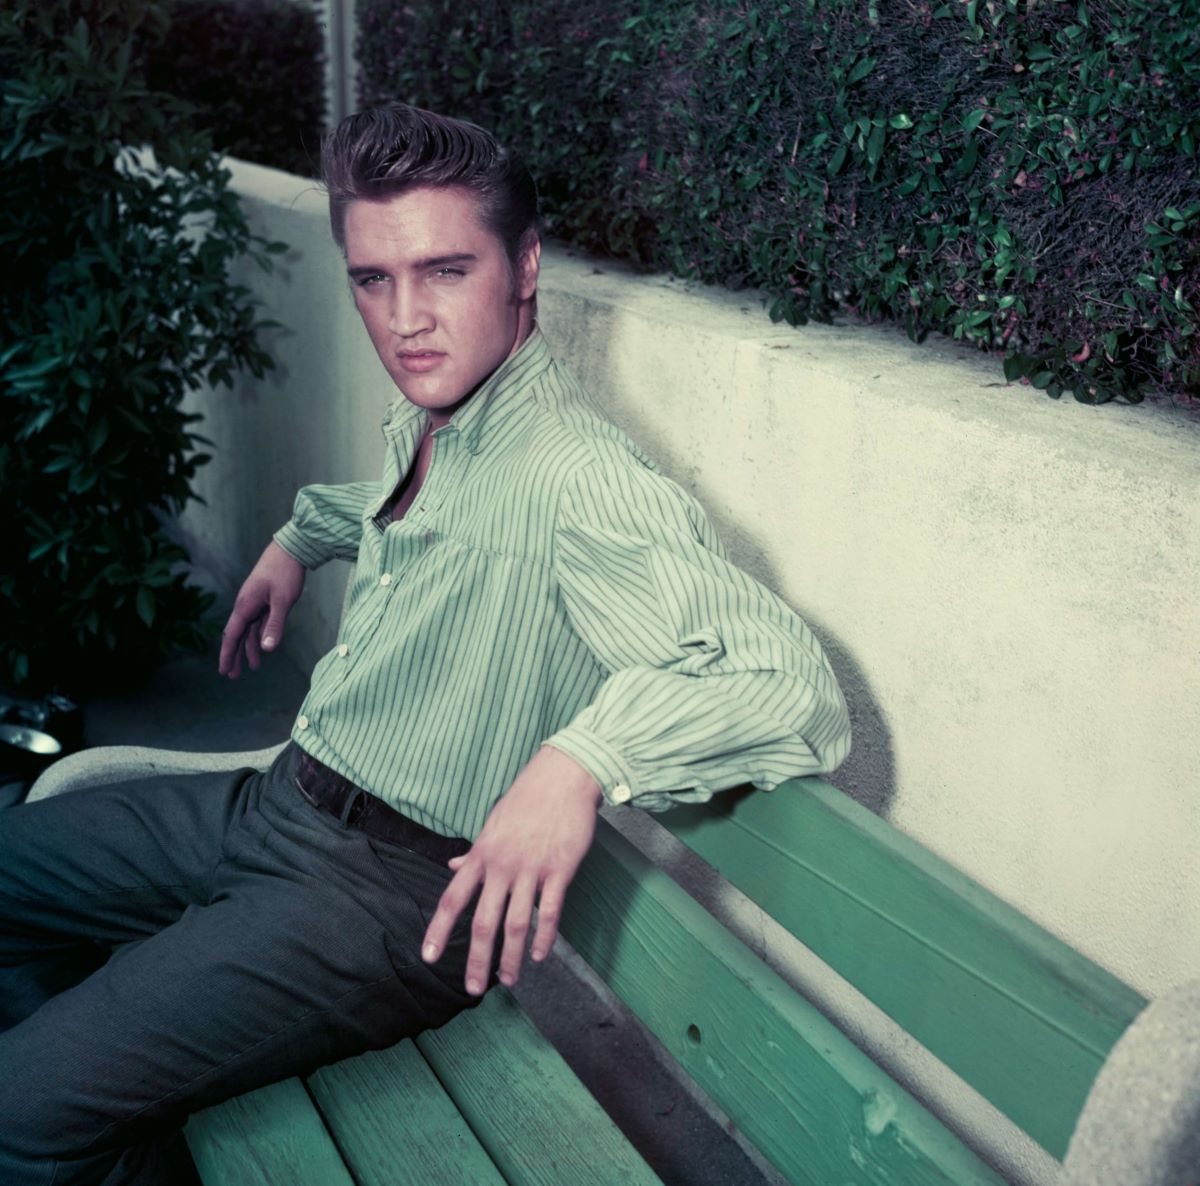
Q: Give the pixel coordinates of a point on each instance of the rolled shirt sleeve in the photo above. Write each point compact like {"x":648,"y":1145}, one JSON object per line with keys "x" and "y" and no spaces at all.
{"x":712,"y":680}
{"x":326,"y":522}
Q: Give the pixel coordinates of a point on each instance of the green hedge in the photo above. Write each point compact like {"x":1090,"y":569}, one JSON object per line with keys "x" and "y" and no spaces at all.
{"x":254,"y":70}
{"x":1020,"y":175}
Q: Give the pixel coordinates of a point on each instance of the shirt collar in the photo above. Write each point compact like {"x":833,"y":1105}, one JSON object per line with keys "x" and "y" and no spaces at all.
{"x":498,"y":397}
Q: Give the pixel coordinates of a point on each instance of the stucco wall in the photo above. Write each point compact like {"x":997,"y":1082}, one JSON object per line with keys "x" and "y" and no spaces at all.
{"x":1006,"y":584}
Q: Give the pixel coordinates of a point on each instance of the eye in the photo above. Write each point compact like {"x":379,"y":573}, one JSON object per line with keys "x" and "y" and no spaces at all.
{"x":369,"y":281}
{"x":449,"y":273}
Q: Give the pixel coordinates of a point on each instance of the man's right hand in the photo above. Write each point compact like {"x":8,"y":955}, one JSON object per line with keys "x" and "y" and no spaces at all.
{"x":261,"y":608}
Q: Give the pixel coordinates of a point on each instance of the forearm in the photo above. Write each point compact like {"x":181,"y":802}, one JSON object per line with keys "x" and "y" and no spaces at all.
{"x":657,"y":738}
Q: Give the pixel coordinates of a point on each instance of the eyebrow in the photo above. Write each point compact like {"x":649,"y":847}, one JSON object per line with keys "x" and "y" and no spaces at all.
{"x":419,"y":265}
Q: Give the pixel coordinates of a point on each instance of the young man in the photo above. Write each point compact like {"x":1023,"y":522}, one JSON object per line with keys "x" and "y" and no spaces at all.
{"x":539,"y":623}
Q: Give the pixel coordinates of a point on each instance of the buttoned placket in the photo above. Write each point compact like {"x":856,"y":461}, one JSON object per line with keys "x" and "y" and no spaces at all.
{"x":397,"y":546}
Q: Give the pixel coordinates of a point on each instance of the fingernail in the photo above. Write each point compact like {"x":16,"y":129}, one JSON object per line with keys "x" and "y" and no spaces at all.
{"x":474,"y":986}
{"x":268,"y":644}
{"x":429,"y":952}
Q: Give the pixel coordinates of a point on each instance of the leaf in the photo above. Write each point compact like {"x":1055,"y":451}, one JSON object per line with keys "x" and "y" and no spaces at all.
{"x":145,"y":605}
{"x":972,"y":121}
{"x":1014,"y":366}
{"x":875,"y":145}
{"x":860,"y":71}
{"x":34,"y":370}
{"x":837,"y":160}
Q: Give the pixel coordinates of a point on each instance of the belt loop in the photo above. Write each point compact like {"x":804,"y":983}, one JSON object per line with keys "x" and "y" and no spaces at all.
{"x":352,"y":807}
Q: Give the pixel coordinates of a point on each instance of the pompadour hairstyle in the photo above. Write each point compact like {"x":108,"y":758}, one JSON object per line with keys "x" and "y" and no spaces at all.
{"x":383,"y":151}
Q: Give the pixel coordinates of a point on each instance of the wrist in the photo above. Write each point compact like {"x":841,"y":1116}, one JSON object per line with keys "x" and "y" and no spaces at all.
{"x":572,"y":775}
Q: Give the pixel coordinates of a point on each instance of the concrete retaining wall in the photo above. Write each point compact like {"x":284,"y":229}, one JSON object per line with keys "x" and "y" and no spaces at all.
{"x":1006,"y":584}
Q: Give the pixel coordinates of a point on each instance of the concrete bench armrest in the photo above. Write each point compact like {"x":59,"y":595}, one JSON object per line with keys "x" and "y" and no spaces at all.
{"x":1141,"y":1123}
{"x":113,"y":763}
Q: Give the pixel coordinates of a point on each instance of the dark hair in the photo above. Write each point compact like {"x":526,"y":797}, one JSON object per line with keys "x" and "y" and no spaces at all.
{"x":384,"y":151}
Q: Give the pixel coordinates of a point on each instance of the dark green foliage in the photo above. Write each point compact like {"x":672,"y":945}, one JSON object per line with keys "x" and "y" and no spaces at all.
{"x":116,"y":302}
{"x":1020,"y":174}
{"x":254,"y":69}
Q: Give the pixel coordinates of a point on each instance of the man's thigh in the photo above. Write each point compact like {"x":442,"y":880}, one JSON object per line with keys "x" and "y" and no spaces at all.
{"x":119,"y":861}
{"x":87,"y":870}
{"x":306,"y":951}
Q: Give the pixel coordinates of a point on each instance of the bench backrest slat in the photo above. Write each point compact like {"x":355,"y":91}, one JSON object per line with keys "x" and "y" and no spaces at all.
{"x":1021,"y":1016}
{"x":813,"y":1103}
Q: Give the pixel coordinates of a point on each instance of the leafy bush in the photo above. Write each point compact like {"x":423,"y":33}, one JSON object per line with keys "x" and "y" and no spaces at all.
{"x":255,"y":71}
{"x":117,"y":233}
{"x":1021,"y":175}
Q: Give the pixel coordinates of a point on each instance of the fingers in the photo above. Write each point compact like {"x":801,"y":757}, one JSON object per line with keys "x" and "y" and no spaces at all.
{"x":549,"y":912}
{"x":253,"y":654}
{"x":272,"y":632}
{"x":484,"y":926}
{"x":230,"y":661}
{"x":516,"y":928}
{"x":454,"y":900}
{"x":501,"y":900}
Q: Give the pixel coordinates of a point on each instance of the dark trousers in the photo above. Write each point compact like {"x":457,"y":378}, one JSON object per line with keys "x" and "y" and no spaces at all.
{"x":169,"y":943}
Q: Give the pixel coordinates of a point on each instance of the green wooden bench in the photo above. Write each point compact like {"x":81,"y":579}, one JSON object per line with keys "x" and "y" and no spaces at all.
{"x":1023,"y":1019}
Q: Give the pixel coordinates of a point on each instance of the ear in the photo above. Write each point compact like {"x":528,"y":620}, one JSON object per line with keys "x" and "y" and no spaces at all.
{"x":528,"y":265}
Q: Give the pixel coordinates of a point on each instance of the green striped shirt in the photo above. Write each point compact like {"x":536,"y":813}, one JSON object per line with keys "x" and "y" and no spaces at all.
{"x":548,"y":585}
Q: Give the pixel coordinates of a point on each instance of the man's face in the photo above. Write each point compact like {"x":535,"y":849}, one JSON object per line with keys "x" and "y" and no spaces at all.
{"x":437,"y":294}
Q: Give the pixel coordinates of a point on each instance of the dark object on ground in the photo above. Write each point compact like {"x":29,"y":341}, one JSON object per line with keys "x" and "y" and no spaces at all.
{"x":33,"y":734}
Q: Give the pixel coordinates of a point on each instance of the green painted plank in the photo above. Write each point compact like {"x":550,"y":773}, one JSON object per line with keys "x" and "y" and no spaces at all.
{"x":270,"y":1137}
{"x":394,"y":1122}
{"x":1021,"y":1016}
{"x":812,"y":1102}
{"x":536,"y":1120}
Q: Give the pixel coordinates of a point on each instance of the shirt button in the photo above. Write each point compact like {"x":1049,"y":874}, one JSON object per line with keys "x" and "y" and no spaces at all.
{"x":343,"y":650}
{"x":621,"y":793}
{"x":302,"y":721}
{"x":386,"y":579}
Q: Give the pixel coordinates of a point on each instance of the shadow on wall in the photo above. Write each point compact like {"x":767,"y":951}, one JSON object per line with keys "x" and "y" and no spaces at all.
{"x":868,"y":775}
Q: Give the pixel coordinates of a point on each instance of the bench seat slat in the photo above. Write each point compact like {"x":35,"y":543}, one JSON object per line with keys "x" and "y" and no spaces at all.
{"x":394,"y":1123}
{"x":537,"y":1121}
{"x":813,"y":1103}
{"x":270,"y":1137}
{"x":1021,"y":1016}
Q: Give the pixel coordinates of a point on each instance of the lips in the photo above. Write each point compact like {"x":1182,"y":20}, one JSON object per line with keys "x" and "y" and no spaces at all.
{"x":417,"y":362}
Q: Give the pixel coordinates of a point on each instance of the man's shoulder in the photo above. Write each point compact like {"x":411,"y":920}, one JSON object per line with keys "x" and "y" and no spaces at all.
{"x":568,"y":420}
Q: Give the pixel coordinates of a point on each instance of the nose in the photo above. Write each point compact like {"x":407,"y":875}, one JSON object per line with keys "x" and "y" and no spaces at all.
{"x":411,"y":313}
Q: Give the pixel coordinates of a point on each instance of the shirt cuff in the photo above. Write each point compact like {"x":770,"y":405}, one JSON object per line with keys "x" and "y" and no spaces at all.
{"x":599,"y":759}
{"x":292,"y":541}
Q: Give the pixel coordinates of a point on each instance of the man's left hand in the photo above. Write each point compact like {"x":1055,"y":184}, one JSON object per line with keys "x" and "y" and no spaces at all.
{"x":530,"y":848}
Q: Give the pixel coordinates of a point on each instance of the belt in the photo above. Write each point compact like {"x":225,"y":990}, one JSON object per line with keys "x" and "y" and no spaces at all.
{"x":359,"y":809}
